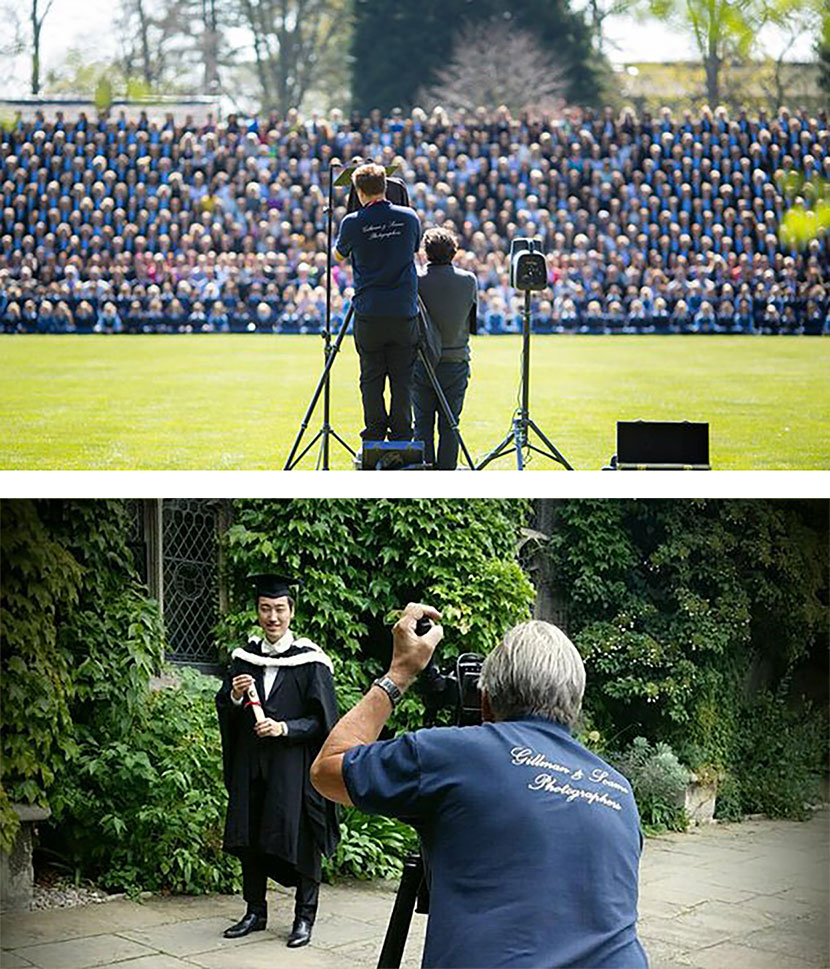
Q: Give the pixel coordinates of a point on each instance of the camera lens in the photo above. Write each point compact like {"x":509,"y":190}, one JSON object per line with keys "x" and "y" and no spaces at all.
{"x":423,"y":626}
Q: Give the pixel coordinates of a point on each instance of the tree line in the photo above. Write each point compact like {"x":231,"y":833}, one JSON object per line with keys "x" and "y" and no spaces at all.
{"x":283,"y":54}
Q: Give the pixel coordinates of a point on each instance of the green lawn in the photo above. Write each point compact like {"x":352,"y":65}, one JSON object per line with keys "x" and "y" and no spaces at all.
{"x":236,"y":401}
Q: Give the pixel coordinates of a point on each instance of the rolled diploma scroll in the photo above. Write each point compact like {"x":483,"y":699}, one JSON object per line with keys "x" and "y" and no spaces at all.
{"x":253,"y":702}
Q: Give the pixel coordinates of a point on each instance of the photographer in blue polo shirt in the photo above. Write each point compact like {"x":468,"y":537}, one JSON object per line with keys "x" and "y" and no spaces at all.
{"x":381,"y":240}
{"x":531,"y":843}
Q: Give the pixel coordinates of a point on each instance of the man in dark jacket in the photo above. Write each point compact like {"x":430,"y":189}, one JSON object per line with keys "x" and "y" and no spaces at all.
{"x":381,"y":240}
{"x":451,"y":297}
{"x":276,"y":823}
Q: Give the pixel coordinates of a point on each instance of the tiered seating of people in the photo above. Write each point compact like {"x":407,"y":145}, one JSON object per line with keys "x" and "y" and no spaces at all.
{"x":652,"y":224}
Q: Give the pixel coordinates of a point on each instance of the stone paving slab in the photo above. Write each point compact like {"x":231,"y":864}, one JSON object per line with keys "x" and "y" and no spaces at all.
{"x":804,"y":939}
{"x":751,"y":896}
{"x":782,"y":905}
{"x":31,"y":928}
{"x":366,"y":953}
{"x":727,"y":955}
{"x":270,"y":953}
{"x":186,"y":938}
{"x":663,"y":954}
{"x":175,"y":908}
{"x":11,"y":960}
{"x":339,"y":930}
{"x":99,"y":950}
{"x":158,"y":960}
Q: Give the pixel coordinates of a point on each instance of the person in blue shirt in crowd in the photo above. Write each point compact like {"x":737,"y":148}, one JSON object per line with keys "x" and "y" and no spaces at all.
{"x":381,"y":240}
{"x":531,"y":843}
{"x":108,"y":319}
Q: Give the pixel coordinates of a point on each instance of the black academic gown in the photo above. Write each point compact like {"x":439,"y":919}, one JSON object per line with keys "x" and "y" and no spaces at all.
{"x":298,"y":823}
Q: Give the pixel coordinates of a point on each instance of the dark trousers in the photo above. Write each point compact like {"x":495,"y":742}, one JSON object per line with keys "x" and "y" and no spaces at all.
{"x":453,"y":379}
{"x":255,"y":869}
{"x":387,"y":347}
{"x":254,"y":879}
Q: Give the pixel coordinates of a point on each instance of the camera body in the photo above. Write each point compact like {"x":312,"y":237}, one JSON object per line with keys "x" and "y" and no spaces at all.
{"x":396,"y":193}
{"x":528,"y":268}
{"x":456,"y":689}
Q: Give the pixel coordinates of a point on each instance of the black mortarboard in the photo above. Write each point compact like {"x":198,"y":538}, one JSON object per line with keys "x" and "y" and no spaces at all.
{"x":272,"y":584}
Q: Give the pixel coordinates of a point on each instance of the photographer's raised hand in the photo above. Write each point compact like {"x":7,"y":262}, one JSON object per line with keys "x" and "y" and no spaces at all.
{"x":363,"y":723}
{"x":412,"y":652}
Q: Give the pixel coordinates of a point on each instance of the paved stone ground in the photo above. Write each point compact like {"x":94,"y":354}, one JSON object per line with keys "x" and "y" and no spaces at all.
{"x":745,"y":896}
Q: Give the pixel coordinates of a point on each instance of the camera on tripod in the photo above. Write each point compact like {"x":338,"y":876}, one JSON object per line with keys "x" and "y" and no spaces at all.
{"x":456,"y":689}
{"x":528,"y":268}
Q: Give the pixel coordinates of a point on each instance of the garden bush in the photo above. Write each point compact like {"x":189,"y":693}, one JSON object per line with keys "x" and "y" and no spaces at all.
{"x":146,"y":811}
{"x":687,"y":613}
{"x":779,"y":759}
{"x":371,"y":846}
{"x":658,"y":781}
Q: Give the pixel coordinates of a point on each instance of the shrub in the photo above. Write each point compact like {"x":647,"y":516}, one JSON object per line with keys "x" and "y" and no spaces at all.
{"x":659,"y":781}
{"x":780,"y":758}
{"x":371,"y":846}
{"x":40,"y":583}
{"x":147,"y":812}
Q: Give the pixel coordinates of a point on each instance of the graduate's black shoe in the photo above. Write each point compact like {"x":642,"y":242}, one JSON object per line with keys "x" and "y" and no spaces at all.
{"x":249,"y":923}
{"x":300,"y":934}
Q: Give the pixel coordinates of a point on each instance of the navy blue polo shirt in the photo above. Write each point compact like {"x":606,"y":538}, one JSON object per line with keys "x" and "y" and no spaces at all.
{"x":531,"y":841}
{"x":382,"y":240}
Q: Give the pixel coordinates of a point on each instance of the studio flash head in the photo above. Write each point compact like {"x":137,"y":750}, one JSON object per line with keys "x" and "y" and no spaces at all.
{"x":528,"y":268}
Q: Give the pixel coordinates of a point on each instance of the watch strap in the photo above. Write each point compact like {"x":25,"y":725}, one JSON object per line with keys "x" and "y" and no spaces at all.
{"x":390,"y":688}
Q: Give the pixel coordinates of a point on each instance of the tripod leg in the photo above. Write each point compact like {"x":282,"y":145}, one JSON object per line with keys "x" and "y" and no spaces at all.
{"x":445,"y":406}
{"x":522,"y":422}
{"x":399,"y":920}
{"x":554,"y":453}
{"x":500,"y":449}
{"x":338,"y":438}
{"x":321,"y":385}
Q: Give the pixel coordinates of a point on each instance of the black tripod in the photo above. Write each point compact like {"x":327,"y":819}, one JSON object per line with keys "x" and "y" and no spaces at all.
{"x":519,"y":437}
{"x":412,"y":896}
{"x":326,"y":431}
{"x":322,"y":388}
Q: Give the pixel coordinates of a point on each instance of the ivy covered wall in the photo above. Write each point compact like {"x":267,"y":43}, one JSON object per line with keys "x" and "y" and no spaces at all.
{"x":704,"y":624}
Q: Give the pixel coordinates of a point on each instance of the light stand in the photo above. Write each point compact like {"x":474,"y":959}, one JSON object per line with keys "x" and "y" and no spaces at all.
{"x":518,"y":438}
{"x":326,"y":431}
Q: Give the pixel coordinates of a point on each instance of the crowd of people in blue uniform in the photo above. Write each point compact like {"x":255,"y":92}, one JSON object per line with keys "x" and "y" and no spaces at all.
{"x":652,"y":223}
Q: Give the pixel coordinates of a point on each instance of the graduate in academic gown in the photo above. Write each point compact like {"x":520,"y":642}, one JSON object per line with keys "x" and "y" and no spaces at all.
{"x":276,"y":823}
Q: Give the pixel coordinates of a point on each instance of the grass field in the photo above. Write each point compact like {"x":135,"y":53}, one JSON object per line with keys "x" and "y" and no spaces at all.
{"x":224,"y":402}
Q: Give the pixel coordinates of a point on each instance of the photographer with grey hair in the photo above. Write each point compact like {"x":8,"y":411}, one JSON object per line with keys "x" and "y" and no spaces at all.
{"x":531,"y":843}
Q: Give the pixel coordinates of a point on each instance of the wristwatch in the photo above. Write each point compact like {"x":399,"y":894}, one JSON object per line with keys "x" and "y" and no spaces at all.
{"x":390,"y":688}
